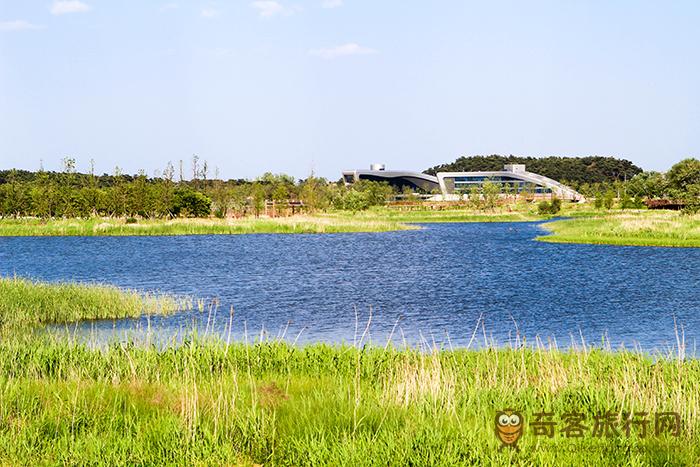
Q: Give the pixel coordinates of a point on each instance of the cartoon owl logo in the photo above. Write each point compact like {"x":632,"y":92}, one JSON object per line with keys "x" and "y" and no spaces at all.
{"x":509,"y":427}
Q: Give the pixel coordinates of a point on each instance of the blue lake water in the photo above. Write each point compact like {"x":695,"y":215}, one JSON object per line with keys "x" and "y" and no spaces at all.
{"x":436,"y":282}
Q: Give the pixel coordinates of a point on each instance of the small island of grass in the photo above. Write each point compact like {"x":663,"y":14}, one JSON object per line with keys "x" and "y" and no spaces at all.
{"x":633,"y":228}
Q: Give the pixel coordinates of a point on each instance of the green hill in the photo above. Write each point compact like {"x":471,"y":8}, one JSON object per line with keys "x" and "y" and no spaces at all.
{"x":593,"y":169}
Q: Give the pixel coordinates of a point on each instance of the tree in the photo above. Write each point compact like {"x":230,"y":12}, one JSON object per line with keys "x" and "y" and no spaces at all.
{"x":609,"y":199}
{"x":474,"y":197}
{"x":190,"y":203}
{"x":257,"y":193}
{"x":490,"y":191}
{"x":314,"y":193}
{"x":356,"y":201}
{"x":280,"y":195}
{"x":684,"y":174}
{"x":648,"y":185}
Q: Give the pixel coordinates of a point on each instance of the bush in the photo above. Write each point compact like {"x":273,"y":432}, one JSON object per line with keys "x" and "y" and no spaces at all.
{"x":609,"y":199}
{"x":546,"y":207}
{"x":626,"y":201}
{"x":555,"y":206}
{"x":131,"y":220}
{"x":356,"y":201}
{"x":191,"y":204}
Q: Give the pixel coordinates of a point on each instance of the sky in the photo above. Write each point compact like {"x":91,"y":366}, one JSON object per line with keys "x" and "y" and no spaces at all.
{"x":319,"y":86}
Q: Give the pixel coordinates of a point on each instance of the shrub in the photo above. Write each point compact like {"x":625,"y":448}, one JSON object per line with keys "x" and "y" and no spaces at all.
{"x":191,"y":203}
{"x":555,"y":206}
{"x":131,"y":220}
{"x":626,"y":202}
{"x":546,"y":207}
{"x":609,"y":199}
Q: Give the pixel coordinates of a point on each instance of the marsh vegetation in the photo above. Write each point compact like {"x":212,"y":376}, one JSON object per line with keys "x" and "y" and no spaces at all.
{"x":213,"y":402}
{"x":635,"y":228}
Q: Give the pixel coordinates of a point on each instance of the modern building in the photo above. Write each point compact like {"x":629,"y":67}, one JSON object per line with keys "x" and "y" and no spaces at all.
{"x":451,"y":185}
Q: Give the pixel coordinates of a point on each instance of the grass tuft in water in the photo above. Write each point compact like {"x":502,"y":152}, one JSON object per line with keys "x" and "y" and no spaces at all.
{"x":27,"y":303}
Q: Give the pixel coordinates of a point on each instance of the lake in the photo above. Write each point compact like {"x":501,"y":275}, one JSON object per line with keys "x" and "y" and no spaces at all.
{"x":429,"y":285}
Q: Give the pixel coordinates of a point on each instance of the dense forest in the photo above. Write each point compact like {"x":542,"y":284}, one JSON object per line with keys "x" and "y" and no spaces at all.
{"x":574,"y":170}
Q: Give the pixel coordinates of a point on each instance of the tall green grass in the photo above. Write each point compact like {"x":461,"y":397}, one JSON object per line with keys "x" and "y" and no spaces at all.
{"x":210,"y":401}
{"x":26,"y":303}
{"x":520,"y":212}
{"x":636,"y":228}
{"x":118,"y":227}
{"x":378,"y":219}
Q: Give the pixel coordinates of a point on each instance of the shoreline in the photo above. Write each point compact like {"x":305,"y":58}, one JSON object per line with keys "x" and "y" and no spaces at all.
{"x":272,"y":402}
{"x":573,"y":226}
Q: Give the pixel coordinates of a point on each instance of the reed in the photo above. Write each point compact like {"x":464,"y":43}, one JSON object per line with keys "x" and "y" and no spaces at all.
{"x":206,"y":402}
{"x":118,"y":227}
{"x":634,"y":228}
{"x":214,"y":401}
{"x":27,"y":303}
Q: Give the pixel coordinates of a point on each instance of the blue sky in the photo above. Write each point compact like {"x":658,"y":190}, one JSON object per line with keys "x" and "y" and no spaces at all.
{"x":291,"y":86}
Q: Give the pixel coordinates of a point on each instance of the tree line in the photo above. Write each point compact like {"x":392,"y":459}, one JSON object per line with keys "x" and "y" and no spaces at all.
{"x":680,"y":185}
{"x":574,"y":170}
{"x":69,"y":193}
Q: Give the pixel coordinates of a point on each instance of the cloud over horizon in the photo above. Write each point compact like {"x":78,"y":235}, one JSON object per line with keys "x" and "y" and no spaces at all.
{"x":61,"y":7}
{"x":329,"y":53}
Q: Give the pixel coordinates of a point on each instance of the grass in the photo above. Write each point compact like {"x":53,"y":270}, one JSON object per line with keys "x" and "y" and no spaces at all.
{"x":273,"y":403}
{"x":378,"y":219}
{"x":520,"y":212}
{"x":583,"y":224}
{"x":210,"y":403}
{"x":25,"y":303}
{"x":118,"y":227}
{"x":637,"y":228}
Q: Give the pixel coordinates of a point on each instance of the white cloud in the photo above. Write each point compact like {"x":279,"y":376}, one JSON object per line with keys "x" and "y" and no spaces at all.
{"x":209,"y":13}
{"x":344,"y":50}
{"x":61,"y":7}
{"x":331,"y":3}
{"x":269,"y":8}
{"x":18,"y":25}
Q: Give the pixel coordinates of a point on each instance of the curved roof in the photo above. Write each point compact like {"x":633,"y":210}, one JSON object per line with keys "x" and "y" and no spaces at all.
{"x":557,"y":188}
{"x":397,"y":177}
{"x":430,"y":183}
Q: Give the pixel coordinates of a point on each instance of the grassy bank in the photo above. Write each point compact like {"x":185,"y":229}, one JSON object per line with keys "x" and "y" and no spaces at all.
{"x":376,"y":219}
{"x":209,"y":403}
{"x":638,"y":228}
{"x":520,"y":212}
{"x":118,"y":227}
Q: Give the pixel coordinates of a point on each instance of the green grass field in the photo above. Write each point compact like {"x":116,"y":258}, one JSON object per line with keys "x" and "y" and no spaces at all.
{"x":638,"y":228}
{"x":209,"y":403}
